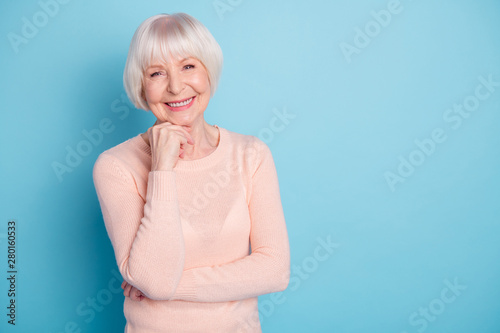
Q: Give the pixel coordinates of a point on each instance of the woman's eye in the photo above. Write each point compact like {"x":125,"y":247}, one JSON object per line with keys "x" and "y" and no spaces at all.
{"x":155,"y":74}
{"x":189,"y":66}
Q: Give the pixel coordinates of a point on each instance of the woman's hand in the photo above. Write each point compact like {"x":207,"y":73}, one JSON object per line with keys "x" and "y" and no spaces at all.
{"x":132,"y":292}
{"x":167,"y":142}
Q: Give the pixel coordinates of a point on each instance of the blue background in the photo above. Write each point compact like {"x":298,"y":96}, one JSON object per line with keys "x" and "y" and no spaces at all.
{"x":355,"y":118}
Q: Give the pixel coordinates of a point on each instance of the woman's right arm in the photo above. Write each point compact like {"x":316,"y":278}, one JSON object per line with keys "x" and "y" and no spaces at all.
{"x":146,"y":236}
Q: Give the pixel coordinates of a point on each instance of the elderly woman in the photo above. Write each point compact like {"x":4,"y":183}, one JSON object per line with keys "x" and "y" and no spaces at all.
{"x":193,"y":210}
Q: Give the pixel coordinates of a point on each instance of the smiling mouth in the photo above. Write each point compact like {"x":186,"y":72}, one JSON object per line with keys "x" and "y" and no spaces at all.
{"x":181,"y":103}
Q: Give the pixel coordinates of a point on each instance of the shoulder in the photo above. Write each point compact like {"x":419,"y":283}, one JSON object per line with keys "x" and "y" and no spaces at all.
{"x":121,"y":157}
{"x":247,"y":144}
{"x":250,"y":151}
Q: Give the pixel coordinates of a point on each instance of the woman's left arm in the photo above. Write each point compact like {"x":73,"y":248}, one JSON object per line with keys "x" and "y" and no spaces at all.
{"x":267,"y":268}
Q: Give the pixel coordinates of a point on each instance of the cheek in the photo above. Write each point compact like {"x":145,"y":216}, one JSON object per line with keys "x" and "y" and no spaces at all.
{"x":201,"y":84}
{"x":152,"y":93}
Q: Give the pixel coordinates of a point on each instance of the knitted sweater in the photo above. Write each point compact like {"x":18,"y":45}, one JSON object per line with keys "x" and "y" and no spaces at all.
{"x":201,"y":241}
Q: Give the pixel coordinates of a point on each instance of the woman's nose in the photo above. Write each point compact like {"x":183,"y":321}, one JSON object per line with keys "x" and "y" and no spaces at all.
{"x":174,"y":84}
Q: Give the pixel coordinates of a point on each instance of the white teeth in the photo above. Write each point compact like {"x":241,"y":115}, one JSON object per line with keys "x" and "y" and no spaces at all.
{"x":175,"y":105}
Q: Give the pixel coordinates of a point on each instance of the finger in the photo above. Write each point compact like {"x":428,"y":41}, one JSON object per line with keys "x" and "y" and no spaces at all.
{"x":139,"y":295}
{"x":178,"y":128}
{"x":187,"y":135}
{"x":126,"y":292}
{"x":163,"y":124}
{"x":136,"y":294}
{"x":124,"y":284}
{"x":150,"y":135}
{"x":190,"y":139}
{"x":133,"y":294}
{"x":180,"y":136}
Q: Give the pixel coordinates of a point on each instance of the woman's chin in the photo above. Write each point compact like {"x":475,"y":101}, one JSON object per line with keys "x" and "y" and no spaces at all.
{"x":186,"y":120}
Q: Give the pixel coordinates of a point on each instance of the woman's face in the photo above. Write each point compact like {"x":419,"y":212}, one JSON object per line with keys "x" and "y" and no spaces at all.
{"x":177,"y":91}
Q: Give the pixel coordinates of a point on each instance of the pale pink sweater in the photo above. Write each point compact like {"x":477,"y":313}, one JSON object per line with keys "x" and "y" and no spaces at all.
{"x":183,"y":237}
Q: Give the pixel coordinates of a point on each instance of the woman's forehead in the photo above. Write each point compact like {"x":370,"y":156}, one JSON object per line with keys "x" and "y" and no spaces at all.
{"x":162,"y":61}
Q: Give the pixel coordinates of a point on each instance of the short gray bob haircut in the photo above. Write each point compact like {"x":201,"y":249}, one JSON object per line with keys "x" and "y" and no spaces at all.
{"x":163,"y":37}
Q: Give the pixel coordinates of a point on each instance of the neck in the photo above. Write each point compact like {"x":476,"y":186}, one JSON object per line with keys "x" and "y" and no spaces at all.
{"x":206,"y":139}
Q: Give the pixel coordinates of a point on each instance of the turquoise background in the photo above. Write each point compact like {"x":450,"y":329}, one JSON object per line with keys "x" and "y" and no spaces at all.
{"x":355,"y":118}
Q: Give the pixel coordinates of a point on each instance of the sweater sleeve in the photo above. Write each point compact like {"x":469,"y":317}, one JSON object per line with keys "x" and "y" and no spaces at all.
{"x":146,"y":236}
{"x":267,"y":268}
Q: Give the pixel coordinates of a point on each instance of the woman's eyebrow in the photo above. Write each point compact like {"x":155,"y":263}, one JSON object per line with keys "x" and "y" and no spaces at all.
{"x":155,"y":66}
{"x":187,"y":58}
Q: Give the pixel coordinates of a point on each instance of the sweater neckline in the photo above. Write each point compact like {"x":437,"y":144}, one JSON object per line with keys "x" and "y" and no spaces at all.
{"x":200,"y":163}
